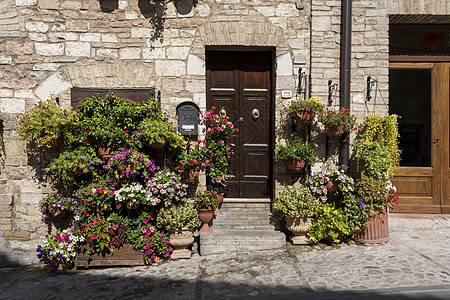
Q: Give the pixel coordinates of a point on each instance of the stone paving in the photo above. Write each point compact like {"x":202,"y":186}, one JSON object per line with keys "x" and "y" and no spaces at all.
{"x":414,"y":259}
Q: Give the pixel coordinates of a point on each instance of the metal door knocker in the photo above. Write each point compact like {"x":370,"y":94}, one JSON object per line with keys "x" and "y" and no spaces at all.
{"x":255,"y":114}
{"x":223,"y":112}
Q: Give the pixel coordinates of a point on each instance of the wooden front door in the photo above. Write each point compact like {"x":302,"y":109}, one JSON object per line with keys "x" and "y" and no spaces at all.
{"x":240,"y":83}
{"x":419,"y":93}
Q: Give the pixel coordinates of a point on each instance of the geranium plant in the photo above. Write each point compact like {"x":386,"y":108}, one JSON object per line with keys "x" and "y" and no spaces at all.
{"x":177,"y":217}
{"x":54,"y":205}
{"x":165,"y":187}
{"x":319,"y":181}
{"x":205,"y":200}
{"x":295,"y":202}
{"x":47,"y":122}
{"x":95,"y":200}
{"x":162,"y":131}
{"x":298,"y":108}
{"x":72,"y":164}
{"x":58,"y":249}
{"x":341,"y":119}
{"x":297,"y":150}
{"x":191,"y":157}
{"x":96,"y":236}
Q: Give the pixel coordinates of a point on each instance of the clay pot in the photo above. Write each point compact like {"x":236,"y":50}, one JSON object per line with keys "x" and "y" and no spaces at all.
{"x":181,"y":238}
{"x":334,"y":131}
{"x":158,"y":145}
{"x":190,"y":176}
{"x":304,"y":116}
{"x":104,"y":152}
{"x":377,"y":231}
{"x":299,"y":226}
{"x":125,"y":169}
{"x":205,"y":215}
{"x":219,"y":201}
{"x":132,"y":205}
{"x":295,"y":165}
{"x":332,"y":186}
{"x":55,"y":143}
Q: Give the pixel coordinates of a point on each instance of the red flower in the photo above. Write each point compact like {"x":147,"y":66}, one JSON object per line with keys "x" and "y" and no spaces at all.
{"x":192,"y":163}
{"x":126,"y":130}
{"x":181,"y":166}
{"x":86,"y":141}
{"x":88,"y":239}
{"x":87,"y":130}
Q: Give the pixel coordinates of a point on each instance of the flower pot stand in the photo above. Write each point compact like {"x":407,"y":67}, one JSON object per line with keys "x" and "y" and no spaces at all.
{"x":180,"y":239}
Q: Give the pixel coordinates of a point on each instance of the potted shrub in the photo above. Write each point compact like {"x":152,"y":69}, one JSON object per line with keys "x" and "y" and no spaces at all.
{"x":189,"y":159}
{"x":304,"y":111}
{"x":205,"y":202}
{"x":325,"y":182}
{"x":47,"y":124}
{"x":180,"y":221}
{"x":157,"y":133}
{"x":296,"y":154}
{"x":329,"y":223}
{"x":338,"y":122}
{"x":107,"y":138}
{"x":296,"y":206}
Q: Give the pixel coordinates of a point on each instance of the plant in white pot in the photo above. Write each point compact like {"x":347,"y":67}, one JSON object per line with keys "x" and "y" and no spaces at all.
{"x":297,"y":206}
{"x":180,"y":221}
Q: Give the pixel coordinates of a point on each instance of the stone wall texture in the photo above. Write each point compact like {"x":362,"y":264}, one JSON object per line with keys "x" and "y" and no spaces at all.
{"x":49,"y":46}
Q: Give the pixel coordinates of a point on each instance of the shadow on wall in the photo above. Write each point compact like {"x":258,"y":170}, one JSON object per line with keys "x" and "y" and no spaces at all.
{"x":109,"y":5}
{"x":5,"y":261}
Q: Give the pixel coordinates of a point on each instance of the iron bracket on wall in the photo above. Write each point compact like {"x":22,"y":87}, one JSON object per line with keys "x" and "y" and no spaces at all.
{"x":370,"y":84}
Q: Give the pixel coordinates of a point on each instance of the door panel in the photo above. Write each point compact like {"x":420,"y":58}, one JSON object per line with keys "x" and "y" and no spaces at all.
{"x":240,"y":82}
{"x":418,"y":93}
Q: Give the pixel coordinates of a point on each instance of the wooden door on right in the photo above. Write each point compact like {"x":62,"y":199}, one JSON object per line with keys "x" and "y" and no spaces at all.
{"x":419,"y":93}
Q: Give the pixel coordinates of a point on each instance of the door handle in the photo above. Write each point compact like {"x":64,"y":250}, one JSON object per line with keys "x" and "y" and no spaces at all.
{"x":435,"y":140}
{"x":255,"y":114}
{"x":241,"y":119}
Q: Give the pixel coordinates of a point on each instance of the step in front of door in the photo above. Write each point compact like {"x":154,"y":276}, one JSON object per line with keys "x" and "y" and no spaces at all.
{"x":230,"y":241}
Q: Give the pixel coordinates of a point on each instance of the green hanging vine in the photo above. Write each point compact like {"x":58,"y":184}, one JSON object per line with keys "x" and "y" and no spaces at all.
{"x":381,"y":129}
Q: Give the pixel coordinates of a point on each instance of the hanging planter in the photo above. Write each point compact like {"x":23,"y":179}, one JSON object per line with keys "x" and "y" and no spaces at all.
{"x":132,"y":205}
{"x":304,"y":116}
{"x":55,"y":143}
{"x":295,"y":165}
{"x":332,"y":186}
{"x":126,"y":170}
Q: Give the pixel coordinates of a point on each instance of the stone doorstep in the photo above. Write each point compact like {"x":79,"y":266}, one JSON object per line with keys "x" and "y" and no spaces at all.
{"x":405,"y":222}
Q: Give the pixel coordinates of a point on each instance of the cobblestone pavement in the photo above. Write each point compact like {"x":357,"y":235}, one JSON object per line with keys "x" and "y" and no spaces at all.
{"x":415,"y":264}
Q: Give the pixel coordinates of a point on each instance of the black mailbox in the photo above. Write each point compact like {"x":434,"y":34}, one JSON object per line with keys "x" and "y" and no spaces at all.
{"x":188,"y":118}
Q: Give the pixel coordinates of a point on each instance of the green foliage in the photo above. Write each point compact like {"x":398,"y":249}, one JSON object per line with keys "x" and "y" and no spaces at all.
{"x":340,"y":119}
{"x":177,"y":217}
{"x":311,"y":105}
{"x":357,"y":212}
{"x":47,"y":122}
{"x":54,"y":205}
{"x":96,"y":236}
{"x":152,"y":131}
{"x":328,"y":222}
{"x":297,"y":150}
{"x":205,"y":200}
{"x":72,"y":164}
{"x":384,"y":130}
{"x":190,"y":156}
{"x":377,"y":160}
{"x":293,"y":202}
{"x":374,"y":192}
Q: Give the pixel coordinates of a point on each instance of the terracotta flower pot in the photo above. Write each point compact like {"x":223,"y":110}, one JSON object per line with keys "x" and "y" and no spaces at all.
{"x":205,"y":215}
{"x":299,"y":226}
{"x":104,"y":152}
{"x":295,"y":165}
{"x":334,"y":131}
{"x":332,"y":186}
{"x":132,"y":205}
{"x":158,"y":145}
{"x":219,"y":201}
{"x":125,"y":169}
{"x":377,"y":231}
{"x":190,"y":176}
{"x":55,"y":143}
{"x":304,"y":116}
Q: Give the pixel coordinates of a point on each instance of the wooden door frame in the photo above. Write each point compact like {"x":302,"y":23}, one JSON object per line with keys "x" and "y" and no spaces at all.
{"x":439,"y":169}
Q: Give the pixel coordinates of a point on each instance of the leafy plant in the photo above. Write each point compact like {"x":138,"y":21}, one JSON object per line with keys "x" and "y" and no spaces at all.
{"x":205,"y":200}
{"x":54,"y":205}
{"x":340,"y":119}
{"x":318,"y":184}
{"x":165,"y":187}
{"x":134,"y":193}
{"x":329,"y":221}
{"x":108,"y":136}
{"x":374,"y":192}
{"x":295,"y":202}
{"x":377,"y":160}
{"x":312,"y":105}
{"x":47,"y":122}
{"x":177,"y":217}
{"x":152,"y":131}
{"x":96,"y":235}
{"x":384,"y":130}
{"x":357,"y":212}
{"x":138,"y":163}
{"x":58,"y":249}
{"x":297,"y":150}
{"x":190,"y":157}
{"x":72,"y":164}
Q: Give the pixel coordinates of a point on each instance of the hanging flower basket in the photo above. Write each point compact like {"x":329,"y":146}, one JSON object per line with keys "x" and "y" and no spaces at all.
{"x":304,"y":116}
{"x":295,"y":165}
{"x":335,"y":132}
{"x":332,"y":186}
{"x":55,"y":143}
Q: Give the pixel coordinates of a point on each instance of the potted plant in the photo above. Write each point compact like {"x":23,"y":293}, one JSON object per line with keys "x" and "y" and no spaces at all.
{"x":58,"y":249}
{"x":189,"y":159}
{"x":180,"y":221}
{"x":132,"y":195}
{"x":156,"y":133}
{"x":296,"y":154}
{"x":325,"y":182}
{"x":304,"y":111}
{"x":107,"y":138}
{"x":338,"y":122}
{"x":329,"y":223}
{"x":296,"y":206}
{"x":165,"y":188}
{"x":128,"y":163}
{"x":56,"y":205}
{"x":205,"y":202}
{"x":47,"y":124}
